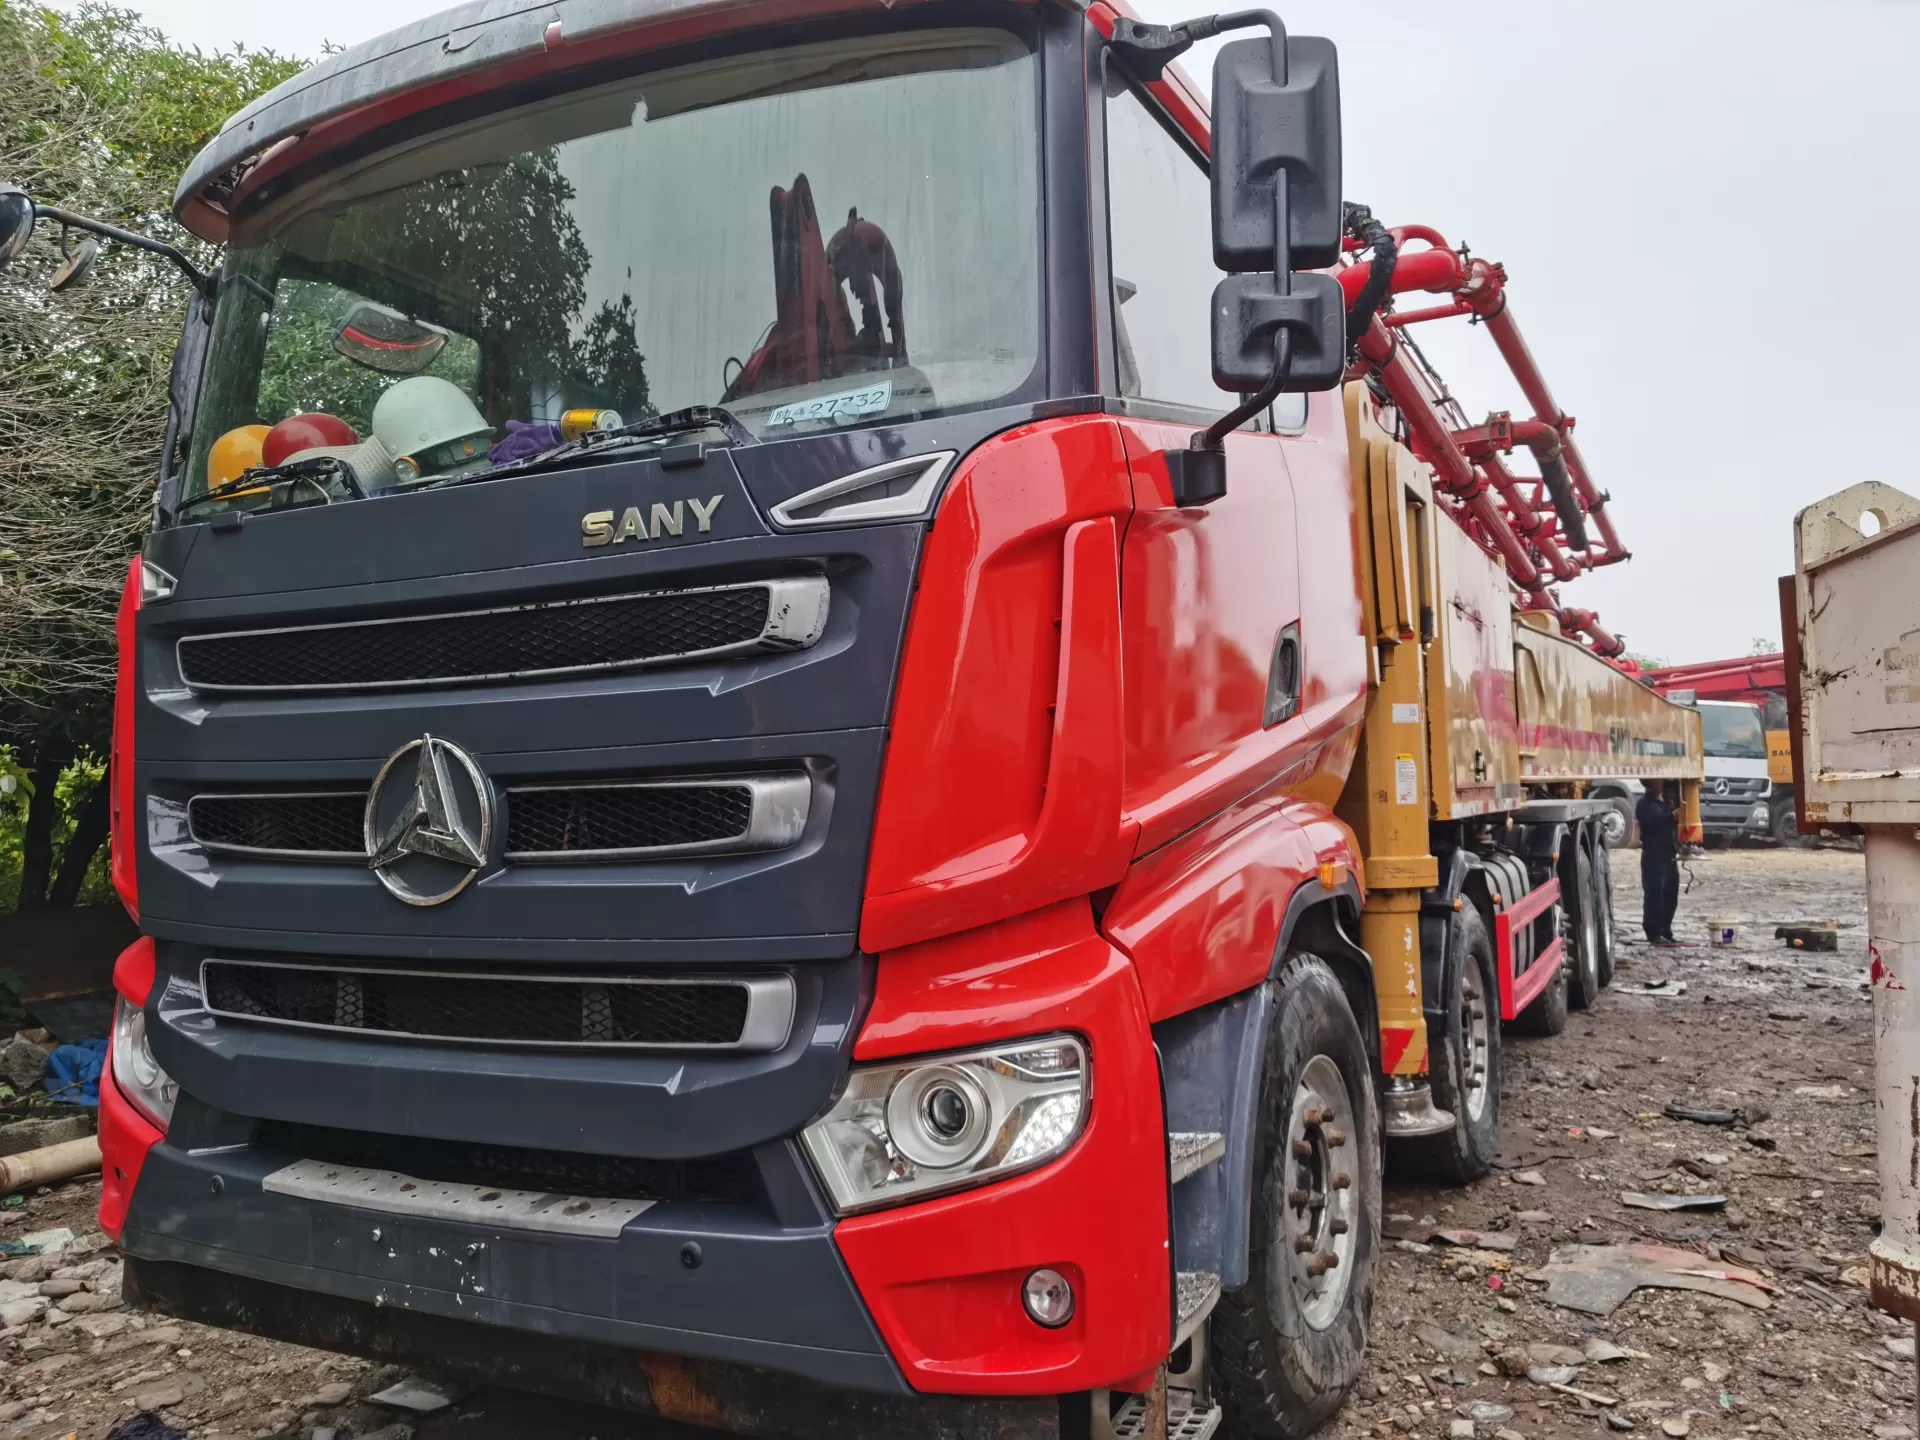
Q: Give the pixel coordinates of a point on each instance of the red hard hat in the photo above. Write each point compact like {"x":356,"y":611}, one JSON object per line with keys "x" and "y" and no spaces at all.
{"x":304,"y":432}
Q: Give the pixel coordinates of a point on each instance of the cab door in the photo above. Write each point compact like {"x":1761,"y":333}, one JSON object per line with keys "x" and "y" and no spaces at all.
{"x":1210,"y":596}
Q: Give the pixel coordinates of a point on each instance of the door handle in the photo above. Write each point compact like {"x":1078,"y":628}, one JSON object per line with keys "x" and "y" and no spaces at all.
{"x":1284,"y":677}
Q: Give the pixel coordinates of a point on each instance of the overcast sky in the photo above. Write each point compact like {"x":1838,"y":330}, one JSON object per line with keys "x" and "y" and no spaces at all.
{"x":1703,"y":207}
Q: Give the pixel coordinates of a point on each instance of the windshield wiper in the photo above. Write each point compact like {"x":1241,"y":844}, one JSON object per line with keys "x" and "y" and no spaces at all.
{"x":315,"y":472}
{"x":675,"y":422}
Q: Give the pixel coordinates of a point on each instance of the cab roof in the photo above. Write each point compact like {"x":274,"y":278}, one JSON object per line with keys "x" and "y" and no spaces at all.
{"x":457,"y":53}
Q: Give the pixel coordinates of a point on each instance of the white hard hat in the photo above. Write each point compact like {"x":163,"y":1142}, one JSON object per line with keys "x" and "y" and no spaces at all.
{"x":431,"y":423}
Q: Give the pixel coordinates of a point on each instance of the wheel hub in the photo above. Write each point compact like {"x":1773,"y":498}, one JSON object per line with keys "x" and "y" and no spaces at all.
{"x":1320,"y":1206}
{"x":1476,"y":1028}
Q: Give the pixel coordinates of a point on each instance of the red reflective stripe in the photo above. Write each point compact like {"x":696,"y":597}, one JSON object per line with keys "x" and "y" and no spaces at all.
{"x":1393,"y":1046}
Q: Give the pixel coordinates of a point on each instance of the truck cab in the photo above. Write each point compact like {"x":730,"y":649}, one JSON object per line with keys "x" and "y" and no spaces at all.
{"x":707,"y":825}
{"x":1733,"y":796}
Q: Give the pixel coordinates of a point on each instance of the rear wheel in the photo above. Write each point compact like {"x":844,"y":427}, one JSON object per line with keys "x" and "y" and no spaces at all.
{"x":1547,"y":1015}
{"x":1290,"y":1343}
{"x":1465,"y":1073}
{"x":1603,"y":910}
{"x":1583,"y":985}
{"x":1618,"y":825}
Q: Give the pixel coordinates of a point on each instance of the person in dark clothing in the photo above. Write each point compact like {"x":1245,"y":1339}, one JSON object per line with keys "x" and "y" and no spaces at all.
{"x":1659,"y":863}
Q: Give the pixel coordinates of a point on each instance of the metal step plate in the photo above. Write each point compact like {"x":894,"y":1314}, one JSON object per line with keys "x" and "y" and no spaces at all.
{"x":1185,"y":1420}
{"x":1189,"y":1151}
{"x":1197,"y":1293}
{"x":483,"y":1205}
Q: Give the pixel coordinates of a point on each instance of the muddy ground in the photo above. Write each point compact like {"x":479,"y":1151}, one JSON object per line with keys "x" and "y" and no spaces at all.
{"x":1778,"y":1034}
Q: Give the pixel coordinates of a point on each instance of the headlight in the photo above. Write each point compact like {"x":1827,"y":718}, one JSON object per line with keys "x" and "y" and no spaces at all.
{"x":135,"y":1071}
{"x":918,"y":1128}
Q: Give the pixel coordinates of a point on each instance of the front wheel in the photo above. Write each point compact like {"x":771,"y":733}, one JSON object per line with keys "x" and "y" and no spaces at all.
{"x":1785,"y":825}
{"x":1292,"y":1341}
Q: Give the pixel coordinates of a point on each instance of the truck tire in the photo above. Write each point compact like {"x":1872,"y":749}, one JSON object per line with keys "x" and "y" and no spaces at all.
{"x":1583,"y":941}
{"x":1287,"y":1345}
{"x":1603,"y":910}
{"x":1620,"y":830}
{"x":1465,"y":1073}
{"x":1784,"y":825}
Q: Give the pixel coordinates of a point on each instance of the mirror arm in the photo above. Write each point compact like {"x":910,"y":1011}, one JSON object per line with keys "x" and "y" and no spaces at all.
{"x":200,"y":279}
{"x":1149,"y":49}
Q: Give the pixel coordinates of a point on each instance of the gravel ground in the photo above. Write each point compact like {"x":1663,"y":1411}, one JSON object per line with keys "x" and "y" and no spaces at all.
{"x":1779,"y":1034}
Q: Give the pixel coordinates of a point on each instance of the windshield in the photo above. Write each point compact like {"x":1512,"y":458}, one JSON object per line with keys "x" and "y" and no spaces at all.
{"x":817,"y":237}
{"x":1732,"y":732}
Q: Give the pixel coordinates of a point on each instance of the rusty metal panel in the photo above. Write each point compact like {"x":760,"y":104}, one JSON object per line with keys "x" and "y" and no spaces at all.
{"x":1581,"y":719}
{"x":1476,"y":737}
{"x":1857,"y":611}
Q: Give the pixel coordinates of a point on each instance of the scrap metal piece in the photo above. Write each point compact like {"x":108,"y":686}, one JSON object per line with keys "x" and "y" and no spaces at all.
{"x":1595,"y":1279}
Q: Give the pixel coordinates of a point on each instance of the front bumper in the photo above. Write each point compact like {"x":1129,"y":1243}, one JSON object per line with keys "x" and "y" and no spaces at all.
{"x":1734,"y":817}
{"x":637,"y":1291}
{"x":907,"y":1303}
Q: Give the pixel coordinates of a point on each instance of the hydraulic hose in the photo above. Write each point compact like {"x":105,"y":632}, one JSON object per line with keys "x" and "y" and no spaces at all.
{"x":1358,"y":222}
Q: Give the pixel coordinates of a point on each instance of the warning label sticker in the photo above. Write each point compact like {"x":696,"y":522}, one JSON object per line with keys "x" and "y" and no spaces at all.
{"x":1406,"y":781}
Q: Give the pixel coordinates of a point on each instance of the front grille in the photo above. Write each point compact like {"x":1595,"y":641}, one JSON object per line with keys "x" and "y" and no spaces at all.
{"x":601,"y":820}
{"x":1738,"y":788}
{"x":679,"y":1014}
{"x":320,"y":826}
{"x":526,"y":641}
{"x":723,"y":1179}
{"x":625,"y":818}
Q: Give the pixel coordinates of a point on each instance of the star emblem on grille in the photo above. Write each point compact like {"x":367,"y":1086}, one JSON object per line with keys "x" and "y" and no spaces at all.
{"x":428,"y":820}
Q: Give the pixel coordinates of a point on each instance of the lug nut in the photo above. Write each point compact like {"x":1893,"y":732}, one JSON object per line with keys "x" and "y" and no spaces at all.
{"x":1342,"y":1180}
{"x":1335,"y":1139}
{"x":1302,"y":1150}
{"x":1302,"y":1244}
{"x":1321,"y":1264}
{"x":1337,"y":1226}
{"x":1298,"y":1198}
{"x":1315,"y":1115}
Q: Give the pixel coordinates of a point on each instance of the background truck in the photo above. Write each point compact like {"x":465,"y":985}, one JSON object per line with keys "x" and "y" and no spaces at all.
{"x":1853,"y":658}
{"x":1736,"y":789}
{"x":1759,"y":680}
{"x":826,"y":845}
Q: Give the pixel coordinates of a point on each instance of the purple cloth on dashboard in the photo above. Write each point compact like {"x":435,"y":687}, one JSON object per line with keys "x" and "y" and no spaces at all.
{"x":524,"y":439}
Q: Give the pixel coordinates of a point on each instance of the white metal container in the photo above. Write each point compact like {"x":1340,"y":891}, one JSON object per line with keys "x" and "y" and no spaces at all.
{"x":1857,"y":604}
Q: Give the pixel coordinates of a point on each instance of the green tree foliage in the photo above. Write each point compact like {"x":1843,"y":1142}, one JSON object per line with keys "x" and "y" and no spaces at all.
{"x":100,"y":116}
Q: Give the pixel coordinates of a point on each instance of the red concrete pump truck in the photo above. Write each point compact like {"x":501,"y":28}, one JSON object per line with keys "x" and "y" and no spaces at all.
{"x":828,"y":847}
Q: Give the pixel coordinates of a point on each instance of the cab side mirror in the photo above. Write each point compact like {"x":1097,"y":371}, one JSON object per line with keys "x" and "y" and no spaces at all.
{"x":1276,"y":210}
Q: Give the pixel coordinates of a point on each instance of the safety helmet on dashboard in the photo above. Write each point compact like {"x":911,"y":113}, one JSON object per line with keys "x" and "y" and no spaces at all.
{"x":430,"y":427}
{"x":235,"y":453}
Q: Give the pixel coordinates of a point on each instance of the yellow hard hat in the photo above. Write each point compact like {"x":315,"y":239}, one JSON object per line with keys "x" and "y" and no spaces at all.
{"x":234,"y":453}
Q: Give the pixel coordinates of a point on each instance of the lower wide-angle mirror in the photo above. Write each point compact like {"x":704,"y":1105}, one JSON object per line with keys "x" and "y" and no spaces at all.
{"x":16,"y":222}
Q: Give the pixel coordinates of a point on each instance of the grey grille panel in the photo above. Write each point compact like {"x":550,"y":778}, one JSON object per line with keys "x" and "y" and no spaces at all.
{"x":749,"y":1013}
{"x":566,"y":637}
{"x":546,"y":824}
{"x":651,"y":820}
{"x":292,"y":826}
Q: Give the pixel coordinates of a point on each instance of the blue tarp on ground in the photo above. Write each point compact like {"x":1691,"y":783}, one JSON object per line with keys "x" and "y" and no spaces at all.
{"x":73,"y":1073}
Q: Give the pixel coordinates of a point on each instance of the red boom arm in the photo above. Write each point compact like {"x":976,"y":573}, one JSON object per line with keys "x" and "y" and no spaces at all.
{"x":1512,"y":515}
